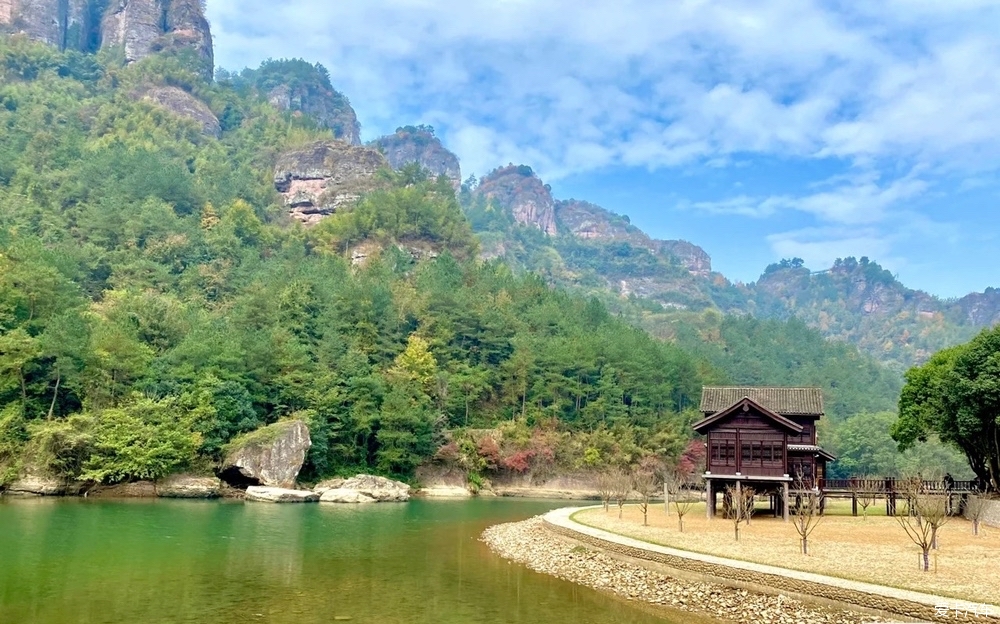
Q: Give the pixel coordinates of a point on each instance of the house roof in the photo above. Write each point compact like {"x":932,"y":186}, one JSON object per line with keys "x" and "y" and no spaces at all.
{"x":784,"y":401}
{"x":811,"y":448}
{"x":744,"y":404}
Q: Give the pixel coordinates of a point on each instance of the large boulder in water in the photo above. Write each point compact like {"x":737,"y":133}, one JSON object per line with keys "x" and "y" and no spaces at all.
{"x":341,"y":495}
{"x":379,"y":488}
{"x":262,"y":494}
{"x":272,"y":455}
{"x":189,"y":486}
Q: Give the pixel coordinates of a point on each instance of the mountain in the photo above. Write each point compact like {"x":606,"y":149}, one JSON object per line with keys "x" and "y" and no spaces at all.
{"x":303,"y":89}
{"x":184,"y":260}
{"x":418,"y":145}
{"x":139,"y":28}
{"x":586,"y":246}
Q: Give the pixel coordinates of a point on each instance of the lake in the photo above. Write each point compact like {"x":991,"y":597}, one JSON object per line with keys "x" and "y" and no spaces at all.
{"x":220,"y":562}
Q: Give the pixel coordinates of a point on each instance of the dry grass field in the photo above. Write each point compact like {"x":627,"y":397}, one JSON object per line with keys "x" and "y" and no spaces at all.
{"x":875,"y":550}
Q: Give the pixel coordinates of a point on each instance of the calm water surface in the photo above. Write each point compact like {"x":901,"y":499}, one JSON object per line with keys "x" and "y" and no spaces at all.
{"x":79,"y":561}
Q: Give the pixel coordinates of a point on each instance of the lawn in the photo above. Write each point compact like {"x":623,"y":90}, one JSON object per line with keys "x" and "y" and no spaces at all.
{"x":874,"y":550}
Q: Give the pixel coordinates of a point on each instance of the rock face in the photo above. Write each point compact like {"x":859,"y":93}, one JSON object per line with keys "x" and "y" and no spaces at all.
{"x":188,"y":486}
{"x":329,"y":484}
{"x":419,"y":145}
{"x":185,"y":105}
{"x":272,"y":455}
{"x":377,"y":488}
{"x":981,"y":309}
{"x":144,"y":27}
{"x":591,"y":222}
{"x":328,"y":107}
{"x":140,"y":27}
{"x":341,"y":495}
{"x":38,"y":485}
{"x":322,"y":177}
{"x":262,"y":494}
{"x":519,"y":190}
{"x":695,"y":259}
{"x":136,"y":489}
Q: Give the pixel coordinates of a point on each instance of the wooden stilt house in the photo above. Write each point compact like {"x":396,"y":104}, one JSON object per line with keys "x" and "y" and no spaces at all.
{"x":764,"y":438}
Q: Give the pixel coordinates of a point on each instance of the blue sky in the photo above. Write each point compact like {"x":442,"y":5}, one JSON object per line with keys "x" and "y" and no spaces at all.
{"x":757,"y":129}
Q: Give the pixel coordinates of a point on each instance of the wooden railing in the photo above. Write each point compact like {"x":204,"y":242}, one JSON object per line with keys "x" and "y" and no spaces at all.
{"x":891,"y":484}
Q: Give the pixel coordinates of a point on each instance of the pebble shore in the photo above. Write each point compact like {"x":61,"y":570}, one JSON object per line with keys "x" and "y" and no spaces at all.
{"x":529,"y":543}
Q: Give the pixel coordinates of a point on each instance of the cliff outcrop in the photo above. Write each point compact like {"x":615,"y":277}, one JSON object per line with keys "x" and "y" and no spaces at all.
{"x":183,"y":104}
{"x":320,"y":178}
{"x":139,"y":27}
{"x":417,"y":144}
{"x":516,"y":188}
{"x":981,"y":309}
{"x":593,"y":223}
{"x":145,"y":27}
{"x":305,"y":89}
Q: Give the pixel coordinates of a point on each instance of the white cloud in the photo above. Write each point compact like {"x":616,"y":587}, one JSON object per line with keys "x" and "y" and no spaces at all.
{"x":710,"y":78}
{"x":901,"y":96}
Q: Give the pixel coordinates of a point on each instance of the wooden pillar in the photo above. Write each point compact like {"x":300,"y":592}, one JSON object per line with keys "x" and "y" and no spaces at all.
{"x":709,"y":499}
{"x":784,"y":498}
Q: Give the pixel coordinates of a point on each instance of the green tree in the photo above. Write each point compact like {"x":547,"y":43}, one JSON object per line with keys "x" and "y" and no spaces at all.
{"x":956,"y":395}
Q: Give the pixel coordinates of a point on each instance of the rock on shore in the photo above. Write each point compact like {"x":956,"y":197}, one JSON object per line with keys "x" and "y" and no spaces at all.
{"x":262,"y":494}
{"x":379,"y":488}
{"x":342,"y":495}
{"x":189,"y":486}
{"x":529,"y":543}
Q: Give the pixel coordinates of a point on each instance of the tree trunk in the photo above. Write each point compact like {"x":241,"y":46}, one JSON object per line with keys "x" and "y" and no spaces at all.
{"x":927,"y":559}
{"x":680,"y":522}
{"x":737,"y":527}
{"x":805,"y":546}
{"x":975,"y":527}
{"x":55,"y":393}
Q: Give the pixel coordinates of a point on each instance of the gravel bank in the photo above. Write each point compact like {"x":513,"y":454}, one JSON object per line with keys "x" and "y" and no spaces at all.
{"x":529,"y":543}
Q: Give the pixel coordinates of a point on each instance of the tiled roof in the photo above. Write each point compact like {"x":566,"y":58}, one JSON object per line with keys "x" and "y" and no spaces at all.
{"x":784,"y":401}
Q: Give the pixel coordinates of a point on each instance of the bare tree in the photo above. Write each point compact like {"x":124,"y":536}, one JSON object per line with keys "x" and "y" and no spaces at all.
{"x":621,"y":488}
{"x":806,"y":515}
{"x":741,"y":500}
{"x":605,"y":488}
{"x":645,"y":484}
{"x":975,"y":509}
{"x":675,"y":485}
{"x":926,"y":512}
{"x":864,"y":490}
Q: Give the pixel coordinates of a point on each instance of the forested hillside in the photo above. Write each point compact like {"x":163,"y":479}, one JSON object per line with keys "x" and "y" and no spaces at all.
{"x":584,"y":246}
{"x":157,"y":300}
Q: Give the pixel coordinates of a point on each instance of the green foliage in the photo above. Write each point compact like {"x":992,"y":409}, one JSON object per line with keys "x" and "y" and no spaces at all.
{"x":144,"y":439}
{"x":864,"y":446}
{"x":956,"y":397}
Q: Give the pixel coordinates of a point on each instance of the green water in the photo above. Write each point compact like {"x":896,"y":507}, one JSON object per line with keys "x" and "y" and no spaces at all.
{"x":81,"y":561}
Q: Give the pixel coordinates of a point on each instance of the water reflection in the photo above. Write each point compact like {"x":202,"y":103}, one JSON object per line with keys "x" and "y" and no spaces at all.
{"x":222,"y":562}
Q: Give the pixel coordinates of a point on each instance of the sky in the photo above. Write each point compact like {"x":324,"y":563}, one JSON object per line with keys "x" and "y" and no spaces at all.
{"x":757,"y":129}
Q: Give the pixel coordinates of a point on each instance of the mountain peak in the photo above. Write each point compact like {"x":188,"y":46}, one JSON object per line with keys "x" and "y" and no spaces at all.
{"x":417,"y":144}
{"x":518,"y":189}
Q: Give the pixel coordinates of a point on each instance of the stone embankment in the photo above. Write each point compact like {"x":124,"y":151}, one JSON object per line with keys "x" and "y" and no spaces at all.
{"x":528,"y":542}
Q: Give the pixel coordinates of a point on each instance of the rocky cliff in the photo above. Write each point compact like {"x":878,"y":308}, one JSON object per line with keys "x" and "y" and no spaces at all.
{"x":143,"y":27}
{"x":305,"y":89}
{"x":593,"y":223}
{"x":139,"y":27}
{"x":185,"y":105}
{"x":320,"y":178}
{"x":417,"y":144}
{"x":516,"y":188}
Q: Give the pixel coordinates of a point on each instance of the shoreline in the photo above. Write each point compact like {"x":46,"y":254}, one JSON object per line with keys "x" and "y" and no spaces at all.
{"x":529,"y":543}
